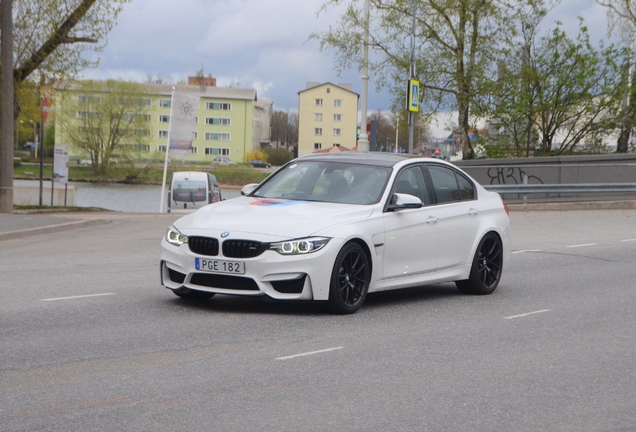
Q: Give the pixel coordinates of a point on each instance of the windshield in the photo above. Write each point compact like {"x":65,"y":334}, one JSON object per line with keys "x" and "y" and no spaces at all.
{"x":189,"y":191}
{"x":327,"y":182}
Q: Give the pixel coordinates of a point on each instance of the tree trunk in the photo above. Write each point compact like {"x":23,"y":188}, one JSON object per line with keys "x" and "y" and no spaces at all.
{"x":464,"y":127}
{"x":622,"y":143}
{"x":6,"y":104}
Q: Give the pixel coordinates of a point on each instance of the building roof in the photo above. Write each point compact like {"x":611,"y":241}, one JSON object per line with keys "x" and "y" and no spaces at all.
{"x":345,"y":87}
{"x":201,"y":91}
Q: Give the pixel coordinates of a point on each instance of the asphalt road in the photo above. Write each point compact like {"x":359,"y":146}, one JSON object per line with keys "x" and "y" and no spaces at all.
{"x":89,"y":340}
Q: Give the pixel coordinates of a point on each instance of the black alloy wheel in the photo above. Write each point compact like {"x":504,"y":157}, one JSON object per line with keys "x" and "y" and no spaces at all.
{"x":486,"y":270}
{"x":349,"y":280}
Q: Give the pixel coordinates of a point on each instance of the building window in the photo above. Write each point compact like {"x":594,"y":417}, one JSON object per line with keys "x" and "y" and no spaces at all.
{"x":195,"y":135}
{"x":194,"y":150}
{"x":217,"y":151}
{"x":88,"y":114}
{"x":145,"y":117}
{"x":328,"y":90}
{"x":165,"y":103}
{"x":161,"y":148}
{"x":163,"y":134}
{"x":317,"y":131}
{"x":164,"y":118}
{"x":336,"y":132}
{"x":317,"y":146}
{"x":337,"y":103}
{"x":218,"y":106}
{"x":141,"y":132}
{"x":318,"y":117}
{"x":218,"y":121}
{"x":318,"y":102}
{"x":337,"y":117}
{"x":215,"y":136}
{"x":90,"y":99}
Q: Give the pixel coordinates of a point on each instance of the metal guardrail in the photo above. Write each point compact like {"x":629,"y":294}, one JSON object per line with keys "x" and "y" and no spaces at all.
{"x":577,"y":188}
{"x":563,"y":188}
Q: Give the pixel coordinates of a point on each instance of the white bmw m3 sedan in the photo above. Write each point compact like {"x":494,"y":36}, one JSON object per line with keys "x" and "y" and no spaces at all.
{"x":336,"y":226}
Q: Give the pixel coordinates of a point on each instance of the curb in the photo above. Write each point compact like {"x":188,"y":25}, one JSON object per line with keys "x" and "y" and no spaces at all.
{"x":566,"y":206}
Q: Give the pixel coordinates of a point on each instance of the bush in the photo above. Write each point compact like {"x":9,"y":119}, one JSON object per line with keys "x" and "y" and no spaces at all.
{"x":278,"y":156}
{"x":256,"y":154}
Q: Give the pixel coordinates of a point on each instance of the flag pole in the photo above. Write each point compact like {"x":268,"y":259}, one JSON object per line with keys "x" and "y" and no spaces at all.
{"x":165,"y":162}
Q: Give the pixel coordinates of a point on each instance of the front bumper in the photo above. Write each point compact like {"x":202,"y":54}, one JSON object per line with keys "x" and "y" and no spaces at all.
{"x":298,"y":277}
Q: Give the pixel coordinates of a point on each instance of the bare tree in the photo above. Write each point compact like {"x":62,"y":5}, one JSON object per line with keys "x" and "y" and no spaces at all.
{"x":621,"y":19}
{"x":105,"y":119}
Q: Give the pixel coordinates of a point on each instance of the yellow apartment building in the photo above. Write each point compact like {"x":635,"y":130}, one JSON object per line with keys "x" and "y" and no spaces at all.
{"x":327,"y":117}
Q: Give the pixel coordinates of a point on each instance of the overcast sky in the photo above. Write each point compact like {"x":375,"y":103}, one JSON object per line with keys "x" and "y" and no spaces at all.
{"x":261,"y":44}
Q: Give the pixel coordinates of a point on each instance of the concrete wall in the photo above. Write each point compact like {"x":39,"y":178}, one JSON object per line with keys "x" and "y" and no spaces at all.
{"x":612,"y":168}
{"x":30,"y":195}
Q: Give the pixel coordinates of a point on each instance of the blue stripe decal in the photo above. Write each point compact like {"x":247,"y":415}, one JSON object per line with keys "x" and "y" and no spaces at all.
{"x":197,"y":264}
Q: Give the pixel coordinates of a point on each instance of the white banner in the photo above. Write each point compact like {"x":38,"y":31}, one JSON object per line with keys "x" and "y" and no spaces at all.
{"x":183,"y":120}
{"x":60,"y":164}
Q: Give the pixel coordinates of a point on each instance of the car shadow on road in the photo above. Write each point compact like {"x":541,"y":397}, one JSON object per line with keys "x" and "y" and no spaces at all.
{"x":265,"y":306}
{"x":424,"y":293}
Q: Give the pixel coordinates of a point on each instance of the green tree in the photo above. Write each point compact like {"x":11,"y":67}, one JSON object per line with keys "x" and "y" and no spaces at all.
{"x":105,"y":119}
{"x":457,"y":46}
{"x":575,"y":89}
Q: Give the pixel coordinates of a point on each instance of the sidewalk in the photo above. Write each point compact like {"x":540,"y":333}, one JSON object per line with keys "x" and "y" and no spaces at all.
{"x":25,"y":224}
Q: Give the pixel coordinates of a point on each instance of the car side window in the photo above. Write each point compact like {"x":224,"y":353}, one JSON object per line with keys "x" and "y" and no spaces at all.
{"x":466,"y":187}
{"x":445,"y":184}
{"x":411,"y":181}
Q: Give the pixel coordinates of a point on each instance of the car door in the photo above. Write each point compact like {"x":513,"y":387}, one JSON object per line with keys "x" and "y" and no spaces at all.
{"x":457,"y":215}
{"x":410,"y":241}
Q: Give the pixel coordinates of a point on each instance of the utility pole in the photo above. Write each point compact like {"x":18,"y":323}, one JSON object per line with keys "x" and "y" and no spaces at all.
{"x":7,"y":122}
{"x":363,"y":140}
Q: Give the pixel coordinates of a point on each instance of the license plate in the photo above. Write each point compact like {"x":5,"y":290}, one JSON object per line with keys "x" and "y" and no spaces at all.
{"x":219,"y":266}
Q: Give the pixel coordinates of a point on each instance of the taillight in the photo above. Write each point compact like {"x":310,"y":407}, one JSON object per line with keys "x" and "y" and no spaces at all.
{"x":506,"y":209}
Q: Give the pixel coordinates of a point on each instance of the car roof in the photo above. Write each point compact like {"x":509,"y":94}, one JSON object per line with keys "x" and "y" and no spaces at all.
{"x":362,"y":158}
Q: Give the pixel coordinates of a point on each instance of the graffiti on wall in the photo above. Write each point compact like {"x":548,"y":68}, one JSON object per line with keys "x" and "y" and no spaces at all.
{"x":510,"y":175}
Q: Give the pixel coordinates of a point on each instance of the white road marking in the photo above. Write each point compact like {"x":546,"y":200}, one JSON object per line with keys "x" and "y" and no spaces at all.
{"x":582,"y":245}
{"x":309,"y":353}
{"x":527,"y":250}
{"x":626,"y":240}
{"x":526,"y":314}
{"x":77,"y":297}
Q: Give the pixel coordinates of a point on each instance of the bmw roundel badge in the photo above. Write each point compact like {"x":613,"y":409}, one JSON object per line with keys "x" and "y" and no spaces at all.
{"x":225,"y":234}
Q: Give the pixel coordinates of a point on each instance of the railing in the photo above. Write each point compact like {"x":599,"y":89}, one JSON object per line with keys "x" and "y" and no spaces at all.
{"x":578,"y":188}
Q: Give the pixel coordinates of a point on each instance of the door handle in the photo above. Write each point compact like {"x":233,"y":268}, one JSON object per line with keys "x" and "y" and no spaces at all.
{"x":472,"y":212}
{"x":432,"y":219}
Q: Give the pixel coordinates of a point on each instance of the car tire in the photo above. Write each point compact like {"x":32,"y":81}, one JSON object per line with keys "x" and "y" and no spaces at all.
{"x":486,"y":269}
{"x":188,"y":294}
{"x":350,"y":279}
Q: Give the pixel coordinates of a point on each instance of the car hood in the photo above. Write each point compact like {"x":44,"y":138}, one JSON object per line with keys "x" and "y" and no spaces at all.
{"x":274,"y":218}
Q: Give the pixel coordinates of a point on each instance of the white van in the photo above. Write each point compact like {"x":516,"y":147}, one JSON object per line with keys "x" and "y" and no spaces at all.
{"x":191,"y":190}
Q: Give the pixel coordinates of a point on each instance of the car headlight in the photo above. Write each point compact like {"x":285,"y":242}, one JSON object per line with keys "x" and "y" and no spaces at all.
{"x":175,"y":237}
{"x":300,"y":246}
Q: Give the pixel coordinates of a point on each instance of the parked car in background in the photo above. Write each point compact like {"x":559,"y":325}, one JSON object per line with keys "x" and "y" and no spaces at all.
{"x":222,"y":160}
{"x":333,"y":227}
{"x":257,"y":163}
{"x":191,"y":190}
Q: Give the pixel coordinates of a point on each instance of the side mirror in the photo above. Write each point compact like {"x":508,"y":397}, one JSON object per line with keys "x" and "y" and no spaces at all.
{"x":248,"y":188}
{"x":400,"y":201}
